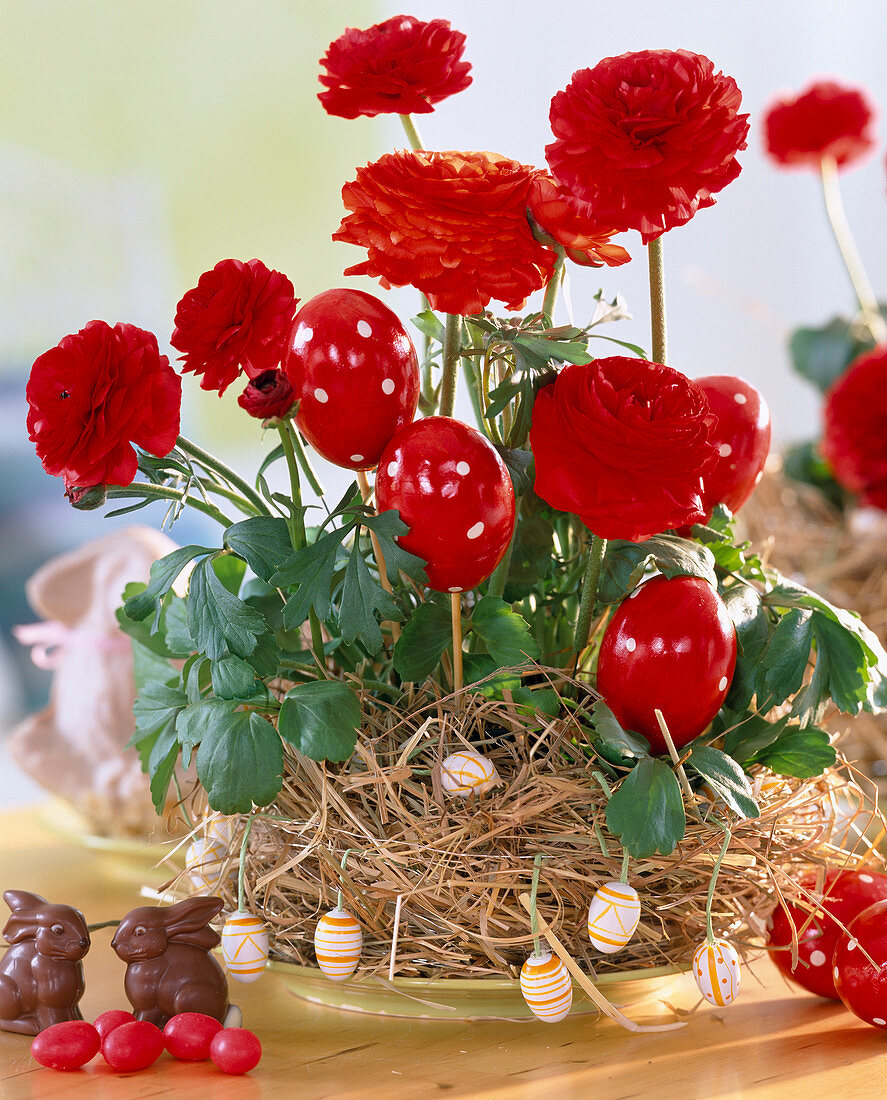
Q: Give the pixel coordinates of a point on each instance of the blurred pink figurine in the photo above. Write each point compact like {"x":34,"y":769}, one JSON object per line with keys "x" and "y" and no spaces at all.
{"x":76,"y":746}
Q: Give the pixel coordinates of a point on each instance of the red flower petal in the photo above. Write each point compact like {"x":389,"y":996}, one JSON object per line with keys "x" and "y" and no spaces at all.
{"x":825,"y":120}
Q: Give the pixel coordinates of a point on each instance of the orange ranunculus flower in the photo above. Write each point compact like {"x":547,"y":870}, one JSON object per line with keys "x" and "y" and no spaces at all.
{"x":452,"y":224}
{"x":571,"y":223}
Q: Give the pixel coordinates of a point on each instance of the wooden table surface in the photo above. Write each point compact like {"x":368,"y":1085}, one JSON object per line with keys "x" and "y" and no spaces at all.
{"x":772,"y":1043}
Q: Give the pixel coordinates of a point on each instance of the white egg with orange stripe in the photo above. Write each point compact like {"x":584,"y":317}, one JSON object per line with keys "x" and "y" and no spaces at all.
{"x":466,"y":772}
{"x":546,"y":987}
{"x":219,"y":828}
{"x":204,"y":860}
{"x":245,"y":946}
{"x":717,"y":972}
{"x":338,"y":940}
{"x":613,"y":916}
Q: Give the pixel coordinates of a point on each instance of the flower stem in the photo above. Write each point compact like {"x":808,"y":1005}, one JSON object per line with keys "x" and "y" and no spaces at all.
{"x":590,"y":585}
{"x":210,"y":462}
{"x":305,"y":463}
{"x":554,"y":284}
{"x":496,"y":584}
{"x":451,"y":348}
{"x":367,"y":493}
{"x":242,"y":503}
{"x":412,"y":133}
{"x":295,"y":521}
{"x":241,"y":867}
{"x":659,"y":336}
{"x":165,"y":492}
{"x":834,"y":208}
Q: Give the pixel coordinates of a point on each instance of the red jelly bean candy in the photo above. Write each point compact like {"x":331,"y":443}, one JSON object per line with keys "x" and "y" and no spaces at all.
{"x":235,"y":1050}
{"x":114,"y":1017}
{"x":189,"y":1035}
{"x":134,"y":1046}
{"x":68,"y":1045}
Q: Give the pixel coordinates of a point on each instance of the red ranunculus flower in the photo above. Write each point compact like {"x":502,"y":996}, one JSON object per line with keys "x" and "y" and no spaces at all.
{"x":236,"y":317}
{"x":453,"y":224}
{"x":402,"y":66}
{"x":854,"y":440}
{"x":268,"y":395}
{"x":647,"y":138}
{"x":623,"y":443}
{"x":826,"y":120}
{"x":571,"y":223}
{"x":98,"y":392}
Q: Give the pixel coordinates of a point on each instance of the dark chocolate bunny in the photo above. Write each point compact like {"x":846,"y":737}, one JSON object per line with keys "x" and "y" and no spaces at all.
{"x":41,"y":976}
{"x":168,"y":965}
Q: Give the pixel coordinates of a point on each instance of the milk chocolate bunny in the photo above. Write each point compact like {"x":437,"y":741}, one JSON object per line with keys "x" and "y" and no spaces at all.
{"x":41,"y":976}
{"x":168,"y":965}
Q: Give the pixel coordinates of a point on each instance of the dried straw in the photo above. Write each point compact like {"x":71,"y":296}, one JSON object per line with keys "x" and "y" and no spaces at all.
{"x":459,"y":866}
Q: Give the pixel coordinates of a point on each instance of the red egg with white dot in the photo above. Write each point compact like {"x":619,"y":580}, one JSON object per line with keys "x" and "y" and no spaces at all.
{"x":671,"y":646}
{"x":355,"y":373}
{"x":453,"y":491}
{"x":860,"y":965}
{"x":742,"y":439}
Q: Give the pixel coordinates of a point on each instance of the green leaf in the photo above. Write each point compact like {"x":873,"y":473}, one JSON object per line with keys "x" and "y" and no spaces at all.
{"x":531,"y":556}
{"x":726,"y":779}
{"x":362,"y":599}
{"x":560,"y":350}
{"x":163,"y":633}
{"x":504,"y":632}
{"x":161,"y":764}
{"x":265,"y":658}
{"x":612,"y":741}
{"x":823,"y":354}
{"x":428,"y":324}
{"x":482,"y":674}
{"x":677,"y":557}
{"x":646,"y":811}
{"x":149,"y":667}
{"x":519,"y":464}
{"x":163,"y":574}
{"x":625,"y":564}
{"x":386,"y":526}
{"x":233,"y":678}
{"x":750,"y":735}
{"x":529,"y":700}
{"x":155,"y":706}
{"x":753,"y":630}
{"x":199,"y":719}
{"x":847,"y":673}
{"x":787,"y":655}
{"x":803,"y":462}
{"x":310,"y":571}
{"x":230,"y":571}
{"x":218,"y":620}
{"x":263,"y":542}
{"x":801,"y":751}
{"x":321,"y":719}
{"x":240,"y":761}
{"x":423,"y":641}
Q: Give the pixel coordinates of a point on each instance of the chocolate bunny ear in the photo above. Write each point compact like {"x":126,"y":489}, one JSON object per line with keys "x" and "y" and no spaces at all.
{"x":21,"y":899}
{"x":22,"y":924}
{"x":187,"y":921}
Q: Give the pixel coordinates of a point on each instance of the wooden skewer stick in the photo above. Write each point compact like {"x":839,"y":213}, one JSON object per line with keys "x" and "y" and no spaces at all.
{"x":367,"y":493}
{"x":582,"y":979}
{"x":673,"y":753}
{"x":456,"y":608}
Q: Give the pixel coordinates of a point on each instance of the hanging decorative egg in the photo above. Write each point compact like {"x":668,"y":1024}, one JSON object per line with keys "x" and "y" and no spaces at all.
{"x":338,"y":940}
{"x":354,"y":370}
{"x":546,"y":987}
{"x":219,"y":827}
{"x":717,"y":972}
{"x":669,"y":635}
{"x":245,"y":946}
{"x":742,"y":438}
{"x":453,"y":491}
{"x":203,"y":863}
{"x":467,"y":772}
{"x":613,"y":916}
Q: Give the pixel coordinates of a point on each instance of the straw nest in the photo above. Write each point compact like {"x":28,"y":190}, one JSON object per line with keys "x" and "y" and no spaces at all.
{"x":459,"y":866}
{"x":844,"y":557}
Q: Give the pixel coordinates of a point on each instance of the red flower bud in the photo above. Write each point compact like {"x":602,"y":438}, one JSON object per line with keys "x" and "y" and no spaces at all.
{"x":268,"y":395}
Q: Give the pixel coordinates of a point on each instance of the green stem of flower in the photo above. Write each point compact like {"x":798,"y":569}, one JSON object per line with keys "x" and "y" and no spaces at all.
{"x":709,"y":931}
{"x":412,"y":133}
{"x":834,"y":208}
{"x":305,"y":463}
{"x":210,"y":462}
{"x":451,"y":347}
{"x":149,"y":491}
{"x":659,"y":336}
{"x":229,"y":494}
{"x":554,"y":284}
{"x":295,"y":520}
{"x":624,"y":875}
{"x":496,"y":584}
{"x":590,"y":584}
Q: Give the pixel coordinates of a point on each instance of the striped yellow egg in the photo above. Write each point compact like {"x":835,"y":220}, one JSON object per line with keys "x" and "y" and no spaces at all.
{"x":203,"y":863}
{"x":467,"y":772}
{"x":219,"y":828}
{"x":613,"y":916}
{"x":546,"y":987}
{"x":717,"y":973}
{"x":337,"y":943}
{"x":245,"y":946}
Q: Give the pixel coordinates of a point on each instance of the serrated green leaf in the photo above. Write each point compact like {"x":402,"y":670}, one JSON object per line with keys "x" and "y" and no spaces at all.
{"x":753,"y":630}
{"x":787,"y":655}
{"x":847,"y":674}
{"x":801,"y":751}
{"x":218,"y":620}
{"x":163,"y":574}
{"x":646,"y":810}
{"x":363,"y":598}
{"x":234,"y":678}
{"x":265,"y":657}
{"x":162,"y":630}
{"x":529,"y":700}
{"x":150,"y":667}
{"x":560,"y":350}
{"x":422,"y":644}
{"x":230,"y":571}
{"x":240,"y":761}
{"x":321,"y":719}
{"x":504,"y":632}
{"x":263,"y":542}
{"x":478,"y":670}
{"x":386,"y":526}
{"x":677,"y":557}
{"x":155,"y":706}
{"x":310,"y":571}
{"x":726,"y":779}
{"x":502,"y":396}
{"x":519,"y":464}
{"x":531,"y":555}
{"x":612,"y":741}
{"x":429,"y":325}
{"x":199,"y":719}
{"x":750,"y":735}
{"x":161,"y":764}
{"x":625,"y":564}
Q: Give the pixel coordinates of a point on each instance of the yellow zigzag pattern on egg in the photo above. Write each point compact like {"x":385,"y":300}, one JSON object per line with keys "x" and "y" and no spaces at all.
{"x":244,"y":945}
{"x":613,"y":924}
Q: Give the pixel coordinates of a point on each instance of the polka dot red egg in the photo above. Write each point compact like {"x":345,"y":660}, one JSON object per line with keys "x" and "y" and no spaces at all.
{"x":453,"y":491}
{"x":742,"y":438}
{"x":861,"y":983}
{"x":670,"y":646}
{"x":354,"y":370}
